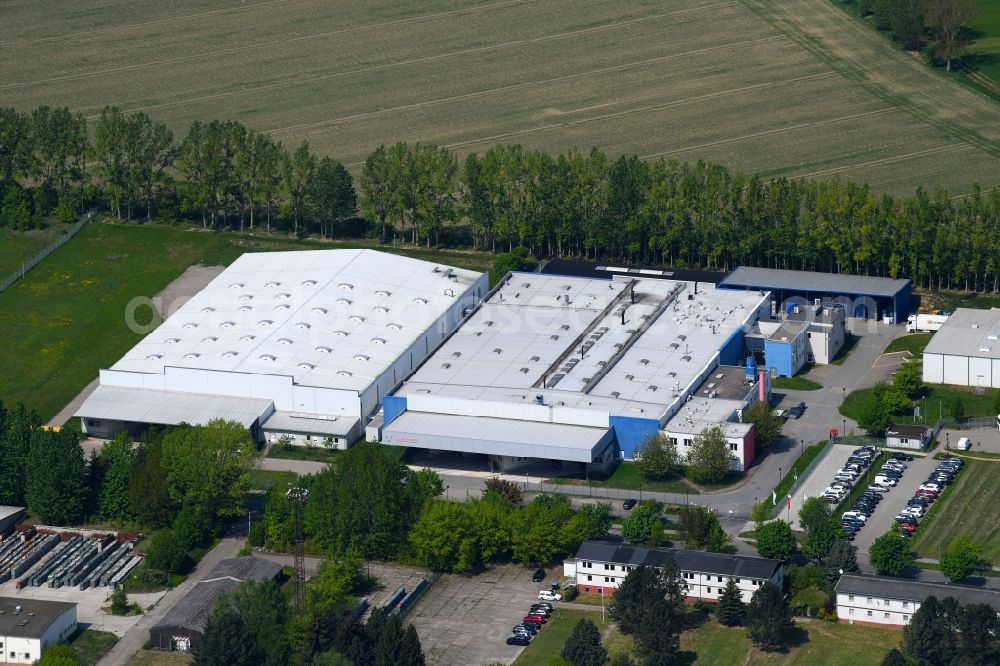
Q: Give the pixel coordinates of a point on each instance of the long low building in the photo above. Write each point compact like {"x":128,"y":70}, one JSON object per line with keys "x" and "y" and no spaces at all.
{"x":29,"y":626}
{"x":582,"y":371}
{"x":183,"y":625}
{"x":966,"y":350}
{"x":893,"y":601}
{"x":296,"y":344}
{"x":600,"y":567}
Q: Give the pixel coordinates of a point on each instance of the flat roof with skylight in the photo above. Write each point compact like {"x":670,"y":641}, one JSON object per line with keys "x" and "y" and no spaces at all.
{"x":628,"y":346}
{"x":968,"y":332}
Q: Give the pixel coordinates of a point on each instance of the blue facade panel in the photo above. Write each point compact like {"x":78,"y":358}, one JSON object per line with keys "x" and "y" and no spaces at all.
{"x":732,"y":352}
{"x":780,"y":357}
{"x":631,"y":432}
{"x":392,"y":406}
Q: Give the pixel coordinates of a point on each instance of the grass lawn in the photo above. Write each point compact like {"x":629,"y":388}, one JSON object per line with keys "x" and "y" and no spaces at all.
{"x":19,"y":246}
{"x":262,"y":479}
{"x":550,"y":640}
{"x":824,"y":643}
{"x":155,"y":658}
{"x":970,"y":507}
{"x":310,"y":453}
{"x":66,"y":320}
{"x":934,"y":399}
{"x":627,"y":477}
{"x":910,"y":343}
{"x":90,"y":645}
{"x":796,"y":383}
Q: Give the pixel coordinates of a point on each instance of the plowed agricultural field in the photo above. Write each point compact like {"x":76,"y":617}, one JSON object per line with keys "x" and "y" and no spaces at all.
{"x":779,"y":87}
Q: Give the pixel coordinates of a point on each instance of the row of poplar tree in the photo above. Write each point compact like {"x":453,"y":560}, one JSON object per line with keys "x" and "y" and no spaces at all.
{"x":571,"y":204}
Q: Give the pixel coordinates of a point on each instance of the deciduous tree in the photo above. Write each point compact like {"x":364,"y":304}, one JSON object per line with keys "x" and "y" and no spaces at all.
{"x":657,"y":458}
{"x":227,"y":640}
{"x":642,"y":525}
{"x":709,"y":459}
{"x":509,"y":490}
{"x":890,"y":553}
{"x":775,"y":540}
{"x":767,"y":425}
{"x":948,"y":21}
{"x":961,"y":558}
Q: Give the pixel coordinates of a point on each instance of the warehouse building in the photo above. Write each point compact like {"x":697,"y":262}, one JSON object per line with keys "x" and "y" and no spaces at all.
{"x":29,"y":626}
{"x":581,"y":371}
{"x":600,"y":567}
{"x":184,"y":624}
{"x":303,"y":344}
{"x":861,"y":297}
{"x":893,"y":601}
{"x":966,"y":350}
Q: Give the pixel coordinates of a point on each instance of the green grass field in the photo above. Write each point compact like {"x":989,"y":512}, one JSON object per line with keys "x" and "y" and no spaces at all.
{"x":914,"y":344}
{"x":936,"y":399}
{"x":66,"y":320}
{"x":777,"y":87}
{"x":797,"y":383}
{"x":151,"y":658}
{"x":309,"y":453}
{"x":16,"y":247}
{"x":983,"y":54}
{"x":90,"y":645}
{"x":550,"y":640}
{"x":826,"y":643}
{"x":970,"y":507}
{"x":263,"y":479}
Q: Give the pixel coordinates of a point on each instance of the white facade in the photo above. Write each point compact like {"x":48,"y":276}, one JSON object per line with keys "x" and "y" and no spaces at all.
{"x":592,"y":577}
{"x":966,"y":350}
{"x":324,"y":335}
{"x":24,"y":646}
{"x":853,"y":608}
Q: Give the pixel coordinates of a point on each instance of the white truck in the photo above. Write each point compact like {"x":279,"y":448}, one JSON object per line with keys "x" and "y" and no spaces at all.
{"x":925,"y":323}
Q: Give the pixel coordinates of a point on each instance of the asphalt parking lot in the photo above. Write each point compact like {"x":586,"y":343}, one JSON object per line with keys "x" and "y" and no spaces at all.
{"x":465,"y":620}
{"x":882,"y":518}
{"x":820,"y":477}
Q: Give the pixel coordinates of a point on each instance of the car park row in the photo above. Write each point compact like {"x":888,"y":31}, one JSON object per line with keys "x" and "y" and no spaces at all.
{"x":532,"y":623}
{"x":929,"y":491}
{"x":845,"y":479}
{"x":888,"y":476}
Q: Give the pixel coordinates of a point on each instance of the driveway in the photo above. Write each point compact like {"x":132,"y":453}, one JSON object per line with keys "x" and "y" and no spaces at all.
{"x":465,"y":620}
{"x":819,"y":479}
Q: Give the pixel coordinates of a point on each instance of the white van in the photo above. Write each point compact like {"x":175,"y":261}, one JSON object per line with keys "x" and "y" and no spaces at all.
{"x":963,"y":444}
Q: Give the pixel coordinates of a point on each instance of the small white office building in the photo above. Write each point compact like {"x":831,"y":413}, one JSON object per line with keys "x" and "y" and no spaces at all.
{"x":966,"y":350}
{"x":599,"y":567}
{"x":893,"y":601}
{"x":29,"y":626}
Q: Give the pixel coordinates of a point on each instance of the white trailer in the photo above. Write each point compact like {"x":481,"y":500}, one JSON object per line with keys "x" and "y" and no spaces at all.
{"x":925,"y":323}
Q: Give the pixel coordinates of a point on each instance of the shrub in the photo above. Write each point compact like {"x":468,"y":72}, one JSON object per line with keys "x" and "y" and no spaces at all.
{"x":166,"y":553}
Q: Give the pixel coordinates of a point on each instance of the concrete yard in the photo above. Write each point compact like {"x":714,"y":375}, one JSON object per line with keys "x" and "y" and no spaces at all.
{"x":465,"y":620}
{"x":90,"y":604}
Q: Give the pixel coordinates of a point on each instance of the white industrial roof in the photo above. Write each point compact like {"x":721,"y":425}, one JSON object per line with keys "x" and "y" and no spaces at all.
{"x":508,"y":437}
{"x":968,"y":332}
{"x":137,"y":405}
{"x":699,"y":413}
{"x":563,"y":338}
{"x":327,"y":318}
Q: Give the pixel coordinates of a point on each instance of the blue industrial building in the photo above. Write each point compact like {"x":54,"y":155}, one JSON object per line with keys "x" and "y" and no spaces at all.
{"x":861,"y":296}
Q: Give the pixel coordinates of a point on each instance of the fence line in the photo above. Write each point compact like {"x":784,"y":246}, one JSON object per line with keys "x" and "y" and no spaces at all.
{"x":46,"y":251}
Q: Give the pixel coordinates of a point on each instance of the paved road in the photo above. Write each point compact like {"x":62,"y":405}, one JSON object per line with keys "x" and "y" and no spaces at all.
{"x":133,"y":641}
{"x":820,"y":478}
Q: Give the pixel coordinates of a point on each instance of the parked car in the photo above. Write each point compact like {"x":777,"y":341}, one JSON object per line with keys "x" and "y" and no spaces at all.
{"x":933,"y":487}
{"x":855,"y":514}
{"x":538,"y":576}
{"x":542,"y":604}
{"x":885,"y":480}
{"x":549,"y":595}
{"x":518,"y":639}
{"x":917,"y":511}
{"x":534,"y":618}
{"x":797,"y":411}
{"x":629,"y":504}
{"x":531,"y":629}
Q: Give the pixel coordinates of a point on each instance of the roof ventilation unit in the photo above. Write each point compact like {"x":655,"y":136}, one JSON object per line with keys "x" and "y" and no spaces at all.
{"x":381,"y":308}
{"x":346,"y":286}
{"x":208,"y":309}
{"x":272,"y":283}
{"x":227,"y":324}
{"x":229,"y":354}
{"x":268,"y":357}
{"x":279,"y":306}
{"x":644,"y":361}
{"x":383,"y":293}
{"x":323,"y":350}
{"x":420,"y":301}
{"x":209,"y":339}
{"x":244,"y":308}
{"x":497,"y":350}
{"x":192,"y":355}
{"x":446,"y":365}
{"x":284,"y":341}
{"x":245,"y":297}
{"x":154,"y":357}
{"x":302,"y":326}
{"x":378,"y":341}
{"x":309,"y":283}
{"x":319,"y":311}
{"x":394,"y":326}
{"x":265,"y":322}
{"x":345,"y":373}
{"x":306,"y":366}
{"x":357,"y":319}
{"x":172,"y":341}
{"x":190,"y":324}
{"x":283,"y":295}
{"x":340,"y":334}
{"x":248,"y":338}
{"x":361,"y":357}
{"x":236,"y":285}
